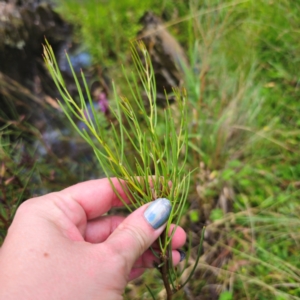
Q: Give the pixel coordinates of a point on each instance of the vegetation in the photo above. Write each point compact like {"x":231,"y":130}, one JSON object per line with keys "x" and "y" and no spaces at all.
{"x":244,"y":134}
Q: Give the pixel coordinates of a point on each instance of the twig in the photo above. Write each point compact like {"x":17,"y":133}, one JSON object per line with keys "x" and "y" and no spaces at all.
{"x":164,"y":262}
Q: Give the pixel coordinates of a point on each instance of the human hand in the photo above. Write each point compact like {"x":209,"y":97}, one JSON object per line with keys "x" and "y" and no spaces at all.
{"x":60,"y":246}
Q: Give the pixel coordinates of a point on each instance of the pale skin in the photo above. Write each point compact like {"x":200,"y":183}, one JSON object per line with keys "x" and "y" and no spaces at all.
{"x":60,"y":246}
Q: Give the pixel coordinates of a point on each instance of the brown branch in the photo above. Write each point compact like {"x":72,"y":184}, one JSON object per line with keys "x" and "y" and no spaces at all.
{"x":164,"y":262}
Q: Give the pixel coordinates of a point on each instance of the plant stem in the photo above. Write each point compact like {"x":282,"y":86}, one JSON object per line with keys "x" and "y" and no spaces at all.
{"x":164,"y":261}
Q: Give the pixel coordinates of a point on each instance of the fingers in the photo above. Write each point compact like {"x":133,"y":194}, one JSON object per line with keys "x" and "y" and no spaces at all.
{"x":135,"y":273}
{"x":137,"y":232}
{"x":97,"y":197}
{"x":179,"y":237}
{"x":98,"y":230}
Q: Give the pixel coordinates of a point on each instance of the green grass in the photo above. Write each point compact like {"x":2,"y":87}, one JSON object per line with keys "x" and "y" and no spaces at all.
{"x":244,"y":132}
{"x":248,"y":138}
{"x":106,"y":27}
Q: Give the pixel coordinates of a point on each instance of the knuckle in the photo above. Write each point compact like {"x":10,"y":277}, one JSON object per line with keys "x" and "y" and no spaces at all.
{"x":26,"y":207}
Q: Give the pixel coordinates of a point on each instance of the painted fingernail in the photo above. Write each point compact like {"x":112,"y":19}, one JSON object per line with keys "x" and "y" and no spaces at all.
{"x":182,"y":255}
{"x":158,"y":212}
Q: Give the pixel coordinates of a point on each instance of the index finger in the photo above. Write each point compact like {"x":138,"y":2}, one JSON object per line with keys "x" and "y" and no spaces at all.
{"x":97,"y":196}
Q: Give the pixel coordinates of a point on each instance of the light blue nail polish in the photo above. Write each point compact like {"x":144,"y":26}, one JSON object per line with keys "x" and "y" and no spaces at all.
{"x":158,"y":212}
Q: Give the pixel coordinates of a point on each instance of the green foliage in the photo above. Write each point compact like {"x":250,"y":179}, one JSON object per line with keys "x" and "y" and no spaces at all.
{"x":14,"y":179}
{"x":216,"y":214}
{"x":243,"y":90}
{"x":153,"y":152}
{"x":194,"y":215}
{"x":226,"y":296}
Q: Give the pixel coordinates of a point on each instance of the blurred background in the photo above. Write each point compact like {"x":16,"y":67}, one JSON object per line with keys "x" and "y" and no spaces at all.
{"x":239,"y":62}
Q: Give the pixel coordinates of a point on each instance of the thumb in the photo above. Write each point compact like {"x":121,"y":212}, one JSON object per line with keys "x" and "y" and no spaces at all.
{"x":139,"y":230}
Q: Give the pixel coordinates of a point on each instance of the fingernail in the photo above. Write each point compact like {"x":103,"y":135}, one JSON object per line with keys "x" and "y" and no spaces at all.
{"x":182,"y":255}
{"x":158,"y":212}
